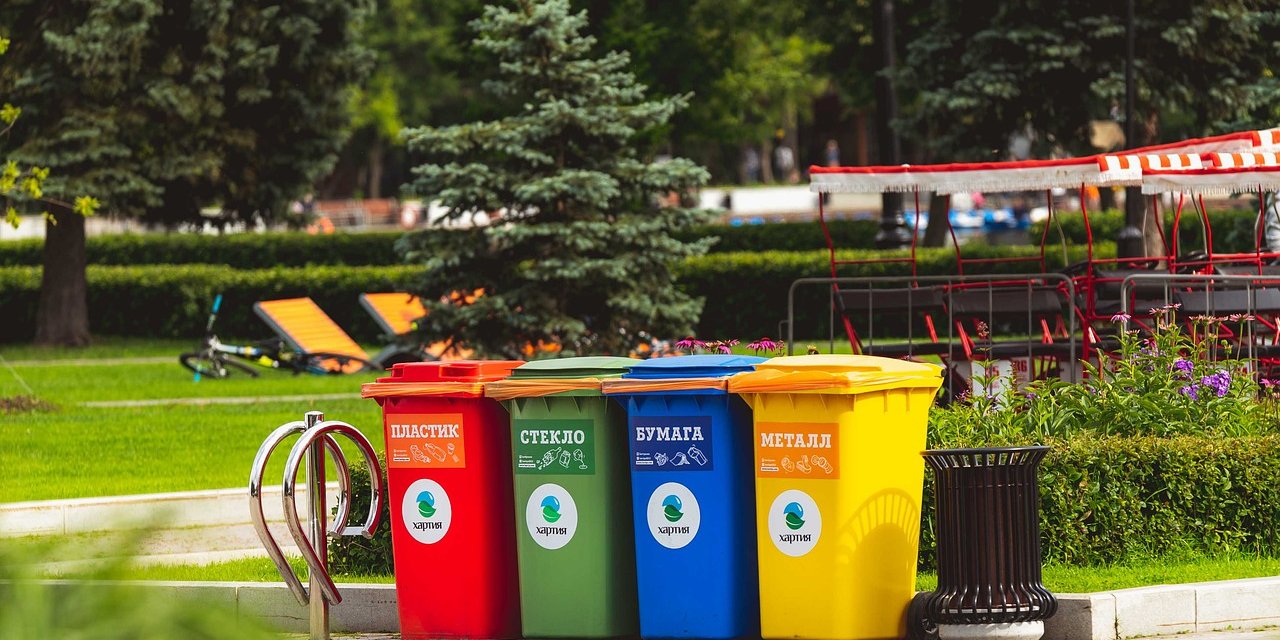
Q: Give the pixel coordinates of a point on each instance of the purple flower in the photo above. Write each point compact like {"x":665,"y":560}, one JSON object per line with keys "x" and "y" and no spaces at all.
{"x":1190,"y":392}
{"x":1121,"y":317}
{"x":690,"y":343}
{"x":1183,"y":367}
{"x":1220,"y":382}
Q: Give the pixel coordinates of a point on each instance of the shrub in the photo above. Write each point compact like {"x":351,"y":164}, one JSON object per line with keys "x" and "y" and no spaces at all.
{"x":746,"y":293}
{"x":355,"y":554}
{"x":1234,"y":230}
{"x":170,"y":301}
{"x":283,"y":249}
{"x":1162,"y":383}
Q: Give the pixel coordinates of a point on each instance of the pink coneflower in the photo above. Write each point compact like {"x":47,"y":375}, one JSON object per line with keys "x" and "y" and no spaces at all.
{"x":763,"y":344}
{"x":690,"y":342}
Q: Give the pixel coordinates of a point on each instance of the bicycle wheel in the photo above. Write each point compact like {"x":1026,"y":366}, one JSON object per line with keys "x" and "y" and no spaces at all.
{"x":324,"y":363}
{"x":209,"y":365}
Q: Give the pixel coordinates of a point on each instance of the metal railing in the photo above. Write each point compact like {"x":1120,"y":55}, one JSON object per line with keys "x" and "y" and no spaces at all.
{"x":316,"y":437}
{"x":1247,"y":302}
{"x":1011,"y":298}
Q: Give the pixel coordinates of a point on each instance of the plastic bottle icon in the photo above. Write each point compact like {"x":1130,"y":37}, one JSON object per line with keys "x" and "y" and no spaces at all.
{"x":697,"y":455}
{"x":418,"y":454}
{"x":436,"y":452}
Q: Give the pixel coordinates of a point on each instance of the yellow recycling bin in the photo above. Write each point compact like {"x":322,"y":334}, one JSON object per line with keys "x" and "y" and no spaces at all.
{"x":838,"y":487}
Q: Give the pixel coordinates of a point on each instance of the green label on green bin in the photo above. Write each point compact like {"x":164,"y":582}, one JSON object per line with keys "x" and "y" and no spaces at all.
{"x":555,"y":447}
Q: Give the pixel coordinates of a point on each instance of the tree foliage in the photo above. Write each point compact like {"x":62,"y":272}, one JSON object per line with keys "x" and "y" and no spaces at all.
{"x":160,"y":108}
{"x":583,"y":256}
{"x":1051,"y":67}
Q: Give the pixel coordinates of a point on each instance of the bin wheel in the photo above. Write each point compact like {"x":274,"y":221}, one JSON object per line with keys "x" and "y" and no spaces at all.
{"x":919,"y":626}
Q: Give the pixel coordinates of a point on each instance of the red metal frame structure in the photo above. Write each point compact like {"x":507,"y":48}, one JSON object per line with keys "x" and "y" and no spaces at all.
{"x":1035,"y":175}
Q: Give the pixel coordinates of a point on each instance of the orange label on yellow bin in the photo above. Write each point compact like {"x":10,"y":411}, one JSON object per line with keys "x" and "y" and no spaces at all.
{"x":425,"y":441}
{"x":797,"y":450}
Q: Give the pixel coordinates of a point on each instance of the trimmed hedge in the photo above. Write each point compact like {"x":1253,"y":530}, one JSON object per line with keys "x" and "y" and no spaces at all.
{"x":1234,"y":230}
{"x":282,"y":249}
{"x":172,"y":301}
{"x":1102,"y":501}
{"x":745,"y":293}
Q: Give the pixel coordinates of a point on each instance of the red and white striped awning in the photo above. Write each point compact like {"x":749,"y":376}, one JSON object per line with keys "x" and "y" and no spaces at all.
{"x":1266,"y":139}
{"x":1241,"y":160}
{"x":1212,"y":181}
{"x":1029,"y":175}
{"x":1128,"y":169}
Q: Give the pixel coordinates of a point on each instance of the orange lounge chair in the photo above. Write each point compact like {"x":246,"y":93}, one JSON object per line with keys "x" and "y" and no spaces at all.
{"x":305,"y":327}
{"x":397,"y":314}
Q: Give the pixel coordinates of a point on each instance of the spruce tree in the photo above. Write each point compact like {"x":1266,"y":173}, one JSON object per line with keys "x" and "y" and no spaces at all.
{"x":582,"y":253}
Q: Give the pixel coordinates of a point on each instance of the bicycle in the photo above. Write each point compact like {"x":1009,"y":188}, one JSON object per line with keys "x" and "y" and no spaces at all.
{"x":217,"y":360}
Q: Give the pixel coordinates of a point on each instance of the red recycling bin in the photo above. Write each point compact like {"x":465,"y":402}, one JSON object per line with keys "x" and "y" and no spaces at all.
{"x":450,"y":494}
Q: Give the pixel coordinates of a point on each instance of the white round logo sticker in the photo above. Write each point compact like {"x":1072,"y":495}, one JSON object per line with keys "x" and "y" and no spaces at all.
{"x":673,"y":515}
{"x":426,"y":511}
{"x":551,"y":516}
{"x":795,"y":524}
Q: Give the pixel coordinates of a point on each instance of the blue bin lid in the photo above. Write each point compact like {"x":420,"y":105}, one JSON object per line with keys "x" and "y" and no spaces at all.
{"x":699,"y":366}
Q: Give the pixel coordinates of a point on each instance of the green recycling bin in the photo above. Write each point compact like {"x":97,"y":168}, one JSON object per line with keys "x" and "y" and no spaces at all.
{"x":575,"y":547}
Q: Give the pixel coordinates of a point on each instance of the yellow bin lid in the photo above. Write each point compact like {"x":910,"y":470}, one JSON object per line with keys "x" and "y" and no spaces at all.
{"x":835,"y":374}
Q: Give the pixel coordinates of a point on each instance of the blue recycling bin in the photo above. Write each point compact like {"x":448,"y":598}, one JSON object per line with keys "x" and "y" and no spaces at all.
{"x":693,"y":497}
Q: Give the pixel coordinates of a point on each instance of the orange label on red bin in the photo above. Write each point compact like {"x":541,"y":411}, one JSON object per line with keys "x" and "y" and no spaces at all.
{"x":798,"y":450}
{"x":425,"y":441}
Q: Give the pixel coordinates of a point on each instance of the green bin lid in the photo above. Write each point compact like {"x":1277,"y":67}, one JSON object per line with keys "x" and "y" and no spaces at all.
{"x":580,"y":367}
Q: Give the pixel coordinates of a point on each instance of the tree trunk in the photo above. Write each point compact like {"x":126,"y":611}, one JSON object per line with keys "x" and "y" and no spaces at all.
{"x":62,"y":317}
{"x":766,"y":162}
{"x":936,"y":234}
{"x":1151,"y":231}
{"x":1106,"y":198}
{"x":375,"y":170}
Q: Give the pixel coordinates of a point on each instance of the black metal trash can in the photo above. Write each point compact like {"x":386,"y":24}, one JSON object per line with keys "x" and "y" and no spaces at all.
{"x":987,"y":514}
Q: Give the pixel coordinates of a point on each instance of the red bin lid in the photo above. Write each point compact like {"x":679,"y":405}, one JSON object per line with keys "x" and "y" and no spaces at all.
{"x":453,"y":378}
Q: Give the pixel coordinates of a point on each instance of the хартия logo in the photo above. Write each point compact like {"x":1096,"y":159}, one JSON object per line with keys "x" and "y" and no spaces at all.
{"x":426,"y":511}
{"x":550,"y":509}
{"x":426,"y":504}
{"x":671,"y":507}
{"x":794,"y":514}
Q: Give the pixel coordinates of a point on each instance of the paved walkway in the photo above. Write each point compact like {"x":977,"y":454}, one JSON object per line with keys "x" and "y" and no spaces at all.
{"x":118,"y":404}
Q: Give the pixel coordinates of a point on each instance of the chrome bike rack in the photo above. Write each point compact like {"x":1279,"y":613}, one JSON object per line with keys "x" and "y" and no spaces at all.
{"x":316,"y":436}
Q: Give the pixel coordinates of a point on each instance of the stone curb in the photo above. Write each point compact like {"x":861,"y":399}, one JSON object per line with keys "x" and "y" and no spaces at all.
{"x":1126,"y":613}
{"x":365,"y":608}
{"x":120,"y":513}
{"x":1167,"y":610}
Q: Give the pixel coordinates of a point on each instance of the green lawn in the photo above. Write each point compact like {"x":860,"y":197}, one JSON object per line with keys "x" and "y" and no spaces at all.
{"x":246,"y":570}
{"x":77,"y":451}
{"x":1061,"y":579}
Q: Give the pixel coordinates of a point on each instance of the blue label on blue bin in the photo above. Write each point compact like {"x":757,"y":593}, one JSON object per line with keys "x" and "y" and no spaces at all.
{"x":670,"y":443}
